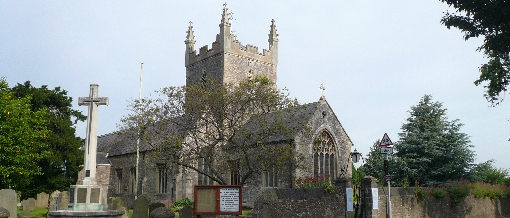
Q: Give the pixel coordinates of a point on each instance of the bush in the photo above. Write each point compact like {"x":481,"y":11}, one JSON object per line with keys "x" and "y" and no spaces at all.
{"x":458,"y":191}
{"x":181,"y":203}
{"x":486,"y":190}
{"x":311,"y":182}
{"x":438,"y":193}
{"x":420,"y":193}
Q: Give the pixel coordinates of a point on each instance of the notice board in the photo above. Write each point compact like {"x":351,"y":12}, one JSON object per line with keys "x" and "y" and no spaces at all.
{"x":217,"y":200}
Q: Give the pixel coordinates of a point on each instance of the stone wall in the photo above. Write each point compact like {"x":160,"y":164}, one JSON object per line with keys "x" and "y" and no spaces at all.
{"x":288,"y":202}
{"x":405,"y":204}
{"x":148,"y":167}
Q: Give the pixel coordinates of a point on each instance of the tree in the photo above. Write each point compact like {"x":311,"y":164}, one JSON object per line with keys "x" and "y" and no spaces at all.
{"x":490,"y":19}
{"x":219,"y":130}
{"x":487,"y":172}
{"x":374,"y":163}
{"x":22,"y":139}
{"x":60,"y":168}
{"x":431,"y":150}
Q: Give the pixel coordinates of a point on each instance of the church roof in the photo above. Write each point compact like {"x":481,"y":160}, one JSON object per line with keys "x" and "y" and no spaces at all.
{"x":293,"y":120}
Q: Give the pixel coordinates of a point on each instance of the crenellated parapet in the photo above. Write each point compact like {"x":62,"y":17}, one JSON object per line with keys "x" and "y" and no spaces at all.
{"x":228,"y":60}
{"x":232,"y":46}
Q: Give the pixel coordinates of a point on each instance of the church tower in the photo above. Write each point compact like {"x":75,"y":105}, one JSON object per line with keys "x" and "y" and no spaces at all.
{"x":228,"y":61}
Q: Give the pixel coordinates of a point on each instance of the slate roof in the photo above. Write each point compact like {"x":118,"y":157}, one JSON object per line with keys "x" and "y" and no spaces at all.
{"x":101,"y":158}
{"x":119,"y":143}
{"x":293,"y":120}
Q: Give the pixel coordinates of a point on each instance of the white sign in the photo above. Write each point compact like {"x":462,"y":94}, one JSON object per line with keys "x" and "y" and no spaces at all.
{"x":386,"y":150}
{"x":229,"y":199}
{"x":375,"y":198}
{"x":348,"y":193}
{"x":385,"y":141}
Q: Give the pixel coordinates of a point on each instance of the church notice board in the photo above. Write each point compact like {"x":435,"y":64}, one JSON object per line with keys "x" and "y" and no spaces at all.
{"x":217,"y":200}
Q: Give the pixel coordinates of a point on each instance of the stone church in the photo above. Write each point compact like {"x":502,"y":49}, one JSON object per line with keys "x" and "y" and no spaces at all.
{"x":326,"y":152}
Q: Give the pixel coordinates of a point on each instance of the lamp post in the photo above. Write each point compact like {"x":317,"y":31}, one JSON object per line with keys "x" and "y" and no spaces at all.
{"x":355,"y":157}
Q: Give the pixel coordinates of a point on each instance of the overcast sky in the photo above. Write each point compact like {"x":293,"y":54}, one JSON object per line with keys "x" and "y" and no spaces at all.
{"x":375,"y":58}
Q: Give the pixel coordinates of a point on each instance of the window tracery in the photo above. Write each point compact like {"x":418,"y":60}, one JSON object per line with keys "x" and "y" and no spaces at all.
{"x":324,"y":151}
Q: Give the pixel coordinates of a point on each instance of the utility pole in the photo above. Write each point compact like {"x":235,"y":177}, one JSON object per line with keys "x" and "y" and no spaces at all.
{"x":138,"y":138}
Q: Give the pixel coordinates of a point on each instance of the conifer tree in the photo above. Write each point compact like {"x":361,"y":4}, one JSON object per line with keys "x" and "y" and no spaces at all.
{"x":431,"y":149}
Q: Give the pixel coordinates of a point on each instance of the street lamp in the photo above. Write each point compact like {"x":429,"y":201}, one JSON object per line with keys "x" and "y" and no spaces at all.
{"x":355,"y":156}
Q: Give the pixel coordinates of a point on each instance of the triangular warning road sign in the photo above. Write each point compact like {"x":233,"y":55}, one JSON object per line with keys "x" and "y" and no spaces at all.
{"x":385,"y":141}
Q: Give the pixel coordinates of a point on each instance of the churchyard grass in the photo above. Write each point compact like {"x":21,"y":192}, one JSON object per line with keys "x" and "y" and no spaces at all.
{"x":37,"y":212}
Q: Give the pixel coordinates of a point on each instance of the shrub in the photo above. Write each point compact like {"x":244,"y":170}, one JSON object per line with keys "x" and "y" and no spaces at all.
{"x":420,"y":193}
{"x":438,"y":193}
{"x":322,"y":181}
{"x":486,"y":190}
{"x":181,"y":203}
{"x":458,"y":191}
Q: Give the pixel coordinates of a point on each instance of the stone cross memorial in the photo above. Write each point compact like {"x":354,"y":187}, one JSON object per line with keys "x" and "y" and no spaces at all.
{"x":93,"y":101}
{"x":86,"y":199}
{"x":87,"y":195}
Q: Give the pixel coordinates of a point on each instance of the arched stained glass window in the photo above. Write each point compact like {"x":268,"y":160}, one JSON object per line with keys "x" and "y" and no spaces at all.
{"x":324,"y":151}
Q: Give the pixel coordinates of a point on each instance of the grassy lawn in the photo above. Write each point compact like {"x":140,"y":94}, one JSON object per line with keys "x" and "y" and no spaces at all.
{"x":37,"y":212}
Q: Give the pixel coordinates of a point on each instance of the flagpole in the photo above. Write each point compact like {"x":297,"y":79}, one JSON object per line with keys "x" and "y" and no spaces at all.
{"x":138,"y":138}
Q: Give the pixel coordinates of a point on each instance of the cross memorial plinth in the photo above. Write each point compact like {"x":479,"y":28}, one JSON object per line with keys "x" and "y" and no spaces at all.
{"x":93,"y":101}
{"x":89,"y":196}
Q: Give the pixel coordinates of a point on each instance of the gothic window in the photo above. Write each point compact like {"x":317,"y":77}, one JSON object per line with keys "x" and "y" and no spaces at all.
{"x":203,"y":179}
{"x":118,"y":178}
{"x":162,"y":178}
{"x":132,"y":180}
{"x":324,"y":151}
{"x":235,"y":178}
{"x":270,"y":178}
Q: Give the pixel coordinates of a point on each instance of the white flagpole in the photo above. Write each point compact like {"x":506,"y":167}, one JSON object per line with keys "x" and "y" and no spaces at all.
{"x":138,"y":138}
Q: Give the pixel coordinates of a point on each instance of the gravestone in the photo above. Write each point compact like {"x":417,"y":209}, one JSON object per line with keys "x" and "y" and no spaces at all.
{"x":141,"y":207}
{"x":154,"y":206}
{"x":28,"y":204}
{"x":42,"y":200}
{"x":119,"y":204}
{"x":186,"y":212}
{"x":8,"y":201}
{"x":55,"y":198}
{"x":162,"y":212}
{"x":64,"y":201}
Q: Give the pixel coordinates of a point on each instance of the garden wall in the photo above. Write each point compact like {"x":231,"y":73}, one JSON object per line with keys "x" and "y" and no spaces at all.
{"x":314,"y":202}
{"x":405,"y":204}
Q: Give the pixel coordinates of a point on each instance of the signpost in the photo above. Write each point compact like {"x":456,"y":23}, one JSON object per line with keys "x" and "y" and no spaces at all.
{"x":387,"y":148}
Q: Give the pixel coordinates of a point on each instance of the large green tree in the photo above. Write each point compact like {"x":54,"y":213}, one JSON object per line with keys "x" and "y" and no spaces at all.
{"x":60,"y":168}
{"x":219,"y":130}
{"x":431,"y":150}
{"x":23,"y":133}
{"x":490,"y":19}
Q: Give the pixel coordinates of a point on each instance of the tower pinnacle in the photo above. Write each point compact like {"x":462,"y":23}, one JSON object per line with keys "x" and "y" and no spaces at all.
{"x":225,"y":17}
{"x":273,"y":36}
{"x":190,"y":38}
